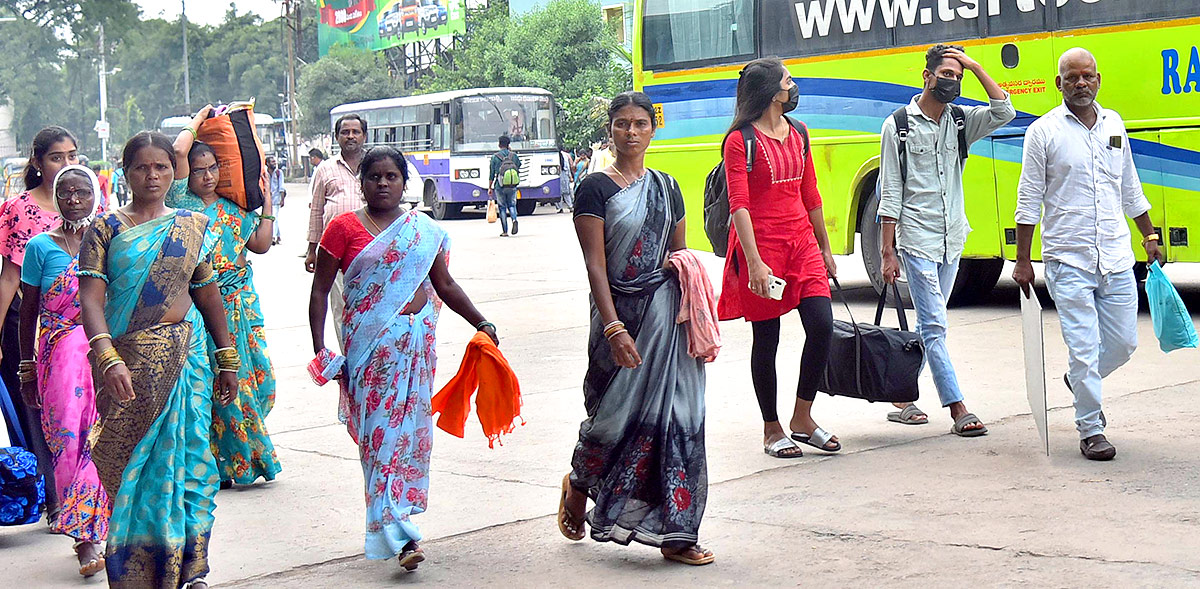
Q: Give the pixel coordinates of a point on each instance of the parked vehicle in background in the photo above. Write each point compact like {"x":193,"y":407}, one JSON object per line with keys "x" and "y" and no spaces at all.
{"x":12,"y":180}
{"x":449,"y":138}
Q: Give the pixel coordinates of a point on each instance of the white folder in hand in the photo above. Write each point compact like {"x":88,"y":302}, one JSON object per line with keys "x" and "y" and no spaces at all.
{"x":1035,"y":362}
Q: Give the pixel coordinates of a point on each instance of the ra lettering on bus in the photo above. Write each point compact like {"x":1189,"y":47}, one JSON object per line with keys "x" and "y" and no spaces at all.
{"x":1176,"y":78}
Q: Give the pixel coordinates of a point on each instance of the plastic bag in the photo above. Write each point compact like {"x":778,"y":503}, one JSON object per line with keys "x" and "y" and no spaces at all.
{"x":491,"y":212}
{"x":1172,"y":323}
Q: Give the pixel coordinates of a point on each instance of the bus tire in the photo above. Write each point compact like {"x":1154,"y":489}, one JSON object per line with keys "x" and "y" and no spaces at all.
{"x":870,"y":240}
{"x":526,"y":207}
{"x":975,"y":281}
{"x":442,"y":210}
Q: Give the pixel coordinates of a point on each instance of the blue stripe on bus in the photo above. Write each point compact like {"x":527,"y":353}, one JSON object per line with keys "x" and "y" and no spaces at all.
{"x":837,"y":104}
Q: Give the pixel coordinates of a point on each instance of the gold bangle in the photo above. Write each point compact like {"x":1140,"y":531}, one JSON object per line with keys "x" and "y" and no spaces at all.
{"x":109,"y":366}
{"x":98,"y":337}
{"x":1149,"y":238}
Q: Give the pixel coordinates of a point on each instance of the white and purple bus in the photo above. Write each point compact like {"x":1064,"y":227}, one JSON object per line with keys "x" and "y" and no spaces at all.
{"x":449,"y":137}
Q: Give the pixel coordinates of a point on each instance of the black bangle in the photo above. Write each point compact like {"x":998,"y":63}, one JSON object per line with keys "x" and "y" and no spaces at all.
{"x":482,"y":324}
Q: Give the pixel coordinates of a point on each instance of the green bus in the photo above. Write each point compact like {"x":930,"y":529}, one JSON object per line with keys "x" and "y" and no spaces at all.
{"x":855,"y":61}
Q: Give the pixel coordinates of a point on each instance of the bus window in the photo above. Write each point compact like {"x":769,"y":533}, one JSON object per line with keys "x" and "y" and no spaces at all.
{"x":1017,"y":17}
{"x":1079,"y":14}
{"x":677,"y":32}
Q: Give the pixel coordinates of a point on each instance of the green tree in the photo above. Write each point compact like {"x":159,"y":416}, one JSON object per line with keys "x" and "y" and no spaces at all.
{"x":564,"y":47}
{"x":345,"y":74}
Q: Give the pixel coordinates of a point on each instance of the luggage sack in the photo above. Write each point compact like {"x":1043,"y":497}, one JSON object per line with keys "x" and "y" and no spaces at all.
{"x":240,"y":155}
{"x":871,"y":362}
{"x":22,"y":489}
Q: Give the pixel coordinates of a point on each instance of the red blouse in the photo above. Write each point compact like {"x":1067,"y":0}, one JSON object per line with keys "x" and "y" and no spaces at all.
{"x":345,"y":238}
{"x":779,"y":192}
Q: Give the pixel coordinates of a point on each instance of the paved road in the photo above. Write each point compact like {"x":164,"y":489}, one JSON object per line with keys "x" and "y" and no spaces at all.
{"x":902,"y":506}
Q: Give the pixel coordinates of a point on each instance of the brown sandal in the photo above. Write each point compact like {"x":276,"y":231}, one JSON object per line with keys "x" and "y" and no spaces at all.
{"x":411,"y":557}
{"x":565,"y":522}
{"x":706,"y":556}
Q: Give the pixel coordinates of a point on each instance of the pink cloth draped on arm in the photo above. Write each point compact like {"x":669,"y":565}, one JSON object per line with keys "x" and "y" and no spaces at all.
{"x":698,"y":306}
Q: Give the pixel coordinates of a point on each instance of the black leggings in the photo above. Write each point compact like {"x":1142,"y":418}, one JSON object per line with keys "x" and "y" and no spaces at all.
{"x":816,"y":314}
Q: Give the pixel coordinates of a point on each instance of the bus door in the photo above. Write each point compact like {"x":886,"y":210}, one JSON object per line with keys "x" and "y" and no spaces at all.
{"x":1178,"y":184}
{"x":1025,"y":67}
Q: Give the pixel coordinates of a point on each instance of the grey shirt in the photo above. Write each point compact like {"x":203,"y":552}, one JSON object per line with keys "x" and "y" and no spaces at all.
{"x":932,"y":221}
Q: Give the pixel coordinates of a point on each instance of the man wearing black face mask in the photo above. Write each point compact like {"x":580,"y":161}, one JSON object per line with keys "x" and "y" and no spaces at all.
{"x":921,"y":208}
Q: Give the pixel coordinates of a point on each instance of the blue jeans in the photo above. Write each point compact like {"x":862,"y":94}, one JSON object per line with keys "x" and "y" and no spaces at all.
{"x":506,"y":203}
{"x":1098,"y":314}
{"x":930,"y":283}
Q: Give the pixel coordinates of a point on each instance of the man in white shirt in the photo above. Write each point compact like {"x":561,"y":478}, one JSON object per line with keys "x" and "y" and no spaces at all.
{"x":1078,"y":168}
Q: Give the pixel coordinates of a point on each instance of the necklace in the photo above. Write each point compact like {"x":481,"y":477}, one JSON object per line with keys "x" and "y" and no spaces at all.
{"x":372,"y":222}
{"x":627,"y":182}
{"x":67,"y":246}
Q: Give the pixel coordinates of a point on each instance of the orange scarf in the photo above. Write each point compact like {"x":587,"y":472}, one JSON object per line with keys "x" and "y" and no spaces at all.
{"x":499,"y":401}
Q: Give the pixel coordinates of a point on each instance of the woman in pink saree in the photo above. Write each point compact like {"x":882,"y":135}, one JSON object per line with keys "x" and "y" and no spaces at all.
{"x":59,"y":381}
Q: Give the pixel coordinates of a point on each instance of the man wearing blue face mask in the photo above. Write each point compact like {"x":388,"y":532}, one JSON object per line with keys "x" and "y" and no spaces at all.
{"x":923,"y":150}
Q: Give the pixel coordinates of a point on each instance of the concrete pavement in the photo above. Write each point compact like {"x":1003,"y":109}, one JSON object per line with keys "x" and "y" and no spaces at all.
{"x":901,"y":506}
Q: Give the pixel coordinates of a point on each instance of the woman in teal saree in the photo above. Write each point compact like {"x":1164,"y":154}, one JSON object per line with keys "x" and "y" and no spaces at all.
{"x":145,"y":286}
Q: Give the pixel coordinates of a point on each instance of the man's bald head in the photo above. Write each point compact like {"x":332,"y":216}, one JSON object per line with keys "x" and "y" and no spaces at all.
{"x":1075,"y":55}
{"x":1078,"y":79}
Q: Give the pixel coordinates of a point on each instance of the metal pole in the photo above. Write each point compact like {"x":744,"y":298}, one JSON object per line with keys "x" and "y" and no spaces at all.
{"x":293,"y":23}
{"x":187,"y":85}
{"x":103,"y":97}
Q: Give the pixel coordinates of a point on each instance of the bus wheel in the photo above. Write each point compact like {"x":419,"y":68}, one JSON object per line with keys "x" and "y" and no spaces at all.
{"x":975,"y":280}
{"x":526,"y":207}
{"x":870,"y":241}
{"x":445,"y":210}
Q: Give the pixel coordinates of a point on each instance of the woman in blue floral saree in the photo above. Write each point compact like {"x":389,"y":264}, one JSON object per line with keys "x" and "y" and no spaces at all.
{"x":146,"y":285}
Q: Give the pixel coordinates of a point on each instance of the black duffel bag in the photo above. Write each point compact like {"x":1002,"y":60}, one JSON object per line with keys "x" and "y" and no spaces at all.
{"x":871,"y":362}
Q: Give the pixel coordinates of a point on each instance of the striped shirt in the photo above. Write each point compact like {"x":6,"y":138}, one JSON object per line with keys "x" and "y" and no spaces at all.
{"x":335,"y":190}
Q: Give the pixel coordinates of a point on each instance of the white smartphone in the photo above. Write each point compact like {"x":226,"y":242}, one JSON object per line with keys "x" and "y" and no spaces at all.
{"x":775,"y":286}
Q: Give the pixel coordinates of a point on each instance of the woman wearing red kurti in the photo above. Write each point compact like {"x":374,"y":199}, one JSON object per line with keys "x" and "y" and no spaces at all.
{"x":778,"y":230}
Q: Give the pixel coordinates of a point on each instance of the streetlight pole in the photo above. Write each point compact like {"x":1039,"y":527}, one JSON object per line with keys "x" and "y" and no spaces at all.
{"x":187,"y":87}
{"x":102,"y":126}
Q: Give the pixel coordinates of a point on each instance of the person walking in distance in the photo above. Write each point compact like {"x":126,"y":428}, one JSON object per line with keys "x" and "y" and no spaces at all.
{"x":275,"y":176}
{"x":503,"y":178}
{"x":315,"y":157}
{"x":1079,"y":181}
{"x":921,"y":208}
{"x":336,"y":190}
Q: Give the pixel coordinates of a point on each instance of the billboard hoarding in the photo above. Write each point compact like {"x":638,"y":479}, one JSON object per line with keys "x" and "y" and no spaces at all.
{"x":380,"y":24}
